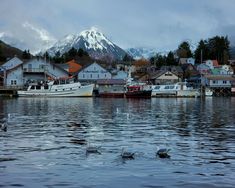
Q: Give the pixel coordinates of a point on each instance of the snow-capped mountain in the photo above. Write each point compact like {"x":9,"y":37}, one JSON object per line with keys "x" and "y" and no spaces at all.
{"x":138,"y":53}
{"x":94,"y":42}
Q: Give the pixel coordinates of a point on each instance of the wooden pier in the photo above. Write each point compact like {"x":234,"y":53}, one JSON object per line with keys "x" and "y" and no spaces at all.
{"x":8,"y":92}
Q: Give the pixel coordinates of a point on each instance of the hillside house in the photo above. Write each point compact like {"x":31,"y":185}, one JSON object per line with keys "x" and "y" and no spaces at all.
{"x":203,"y":69}
{"x":190,"y":60}
{"x":218,"y":81}
{"x":212,"y":63}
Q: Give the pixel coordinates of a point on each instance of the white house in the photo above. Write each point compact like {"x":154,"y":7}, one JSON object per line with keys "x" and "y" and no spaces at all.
{"x":228,"y":69}
{"x":94,"y":72}
{"x":34,"y":70}
{"x":217,"y":80}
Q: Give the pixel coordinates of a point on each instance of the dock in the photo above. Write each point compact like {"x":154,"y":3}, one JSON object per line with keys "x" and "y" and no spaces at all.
{"x":8,"y":92}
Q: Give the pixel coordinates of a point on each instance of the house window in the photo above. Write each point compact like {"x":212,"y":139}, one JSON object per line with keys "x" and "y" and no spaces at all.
{"x":83,"y":75}
{"x":215,"y":82}
{"x":91,"y":75}
{"x":224,"y":82}
{"x":105,"y":75}
{"x":98,"y":75}
{"x":13,"y":82}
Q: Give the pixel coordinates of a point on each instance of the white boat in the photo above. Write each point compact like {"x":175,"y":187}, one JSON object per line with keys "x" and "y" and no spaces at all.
{"x":208,"y":92}
{"x":179,"y":89}
{"x":56,"y":88}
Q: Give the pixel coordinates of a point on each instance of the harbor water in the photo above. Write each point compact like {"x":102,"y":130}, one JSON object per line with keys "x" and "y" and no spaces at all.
{"x":46,"y":140}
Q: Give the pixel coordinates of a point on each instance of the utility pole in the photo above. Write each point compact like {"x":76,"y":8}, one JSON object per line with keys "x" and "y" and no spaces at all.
{"x":201,"y":56}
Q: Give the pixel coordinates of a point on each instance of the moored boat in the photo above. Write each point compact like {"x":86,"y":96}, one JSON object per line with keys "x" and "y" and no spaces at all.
{"x":137,"y":91}
{"x":58,"y":88}
{"x":179,"y":89}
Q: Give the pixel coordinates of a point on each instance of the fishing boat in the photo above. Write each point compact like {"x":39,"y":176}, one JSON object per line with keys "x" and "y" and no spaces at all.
{"x":58,"y":88}
{"x":208,"y":92}
{"x":179,"y":89}
{"x":137,"y":91}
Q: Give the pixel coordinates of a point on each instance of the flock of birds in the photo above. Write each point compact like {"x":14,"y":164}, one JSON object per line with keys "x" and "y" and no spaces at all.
{"x":162,"y":153}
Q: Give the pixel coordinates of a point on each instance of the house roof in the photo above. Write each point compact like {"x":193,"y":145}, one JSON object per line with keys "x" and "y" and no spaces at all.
{"x":73,"y":66}
{"x":89,"y":64}
{"x":215,"y":63}
{"x":220,"y":77}
{"x":159,"y":73}
{"x":111,"y":81}
{"x":177,"y":69}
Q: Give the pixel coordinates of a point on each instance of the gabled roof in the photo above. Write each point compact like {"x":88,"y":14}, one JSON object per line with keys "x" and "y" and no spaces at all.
{"x":215,"y":63}
{"x":160,"y":73}
{"x":220,"y":77}
{"x":24,"y":62}
{"x":89,"y":64}
{"x":111,"y":81}
{"x":73,"y":66}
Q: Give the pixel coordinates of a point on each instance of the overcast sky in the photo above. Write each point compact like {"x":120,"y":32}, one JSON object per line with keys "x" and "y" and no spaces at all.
{"x":160,"y":24}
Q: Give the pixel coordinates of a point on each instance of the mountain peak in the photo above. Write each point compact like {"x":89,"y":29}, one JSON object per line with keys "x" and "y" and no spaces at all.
{"x":93,"y":41}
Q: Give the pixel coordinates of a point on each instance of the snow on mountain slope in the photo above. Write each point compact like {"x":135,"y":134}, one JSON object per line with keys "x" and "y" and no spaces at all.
{"x":94,"y":42}
{"x":138,"y":53}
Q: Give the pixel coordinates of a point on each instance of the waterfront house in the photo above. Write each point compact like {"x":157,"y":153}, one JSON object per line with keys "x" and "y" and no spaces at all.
{"x":165,"y":77}
{"x":217,"y":81}
{"x":34,"y":70}
{"x":93,"y":72}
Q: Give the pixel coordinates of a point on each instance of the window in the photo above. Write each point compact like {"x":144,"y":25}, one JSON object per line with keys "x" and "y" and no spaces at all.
{"x":215,"y":82}
{"x":105,"y":75}
{"x":13,"y":82}
{"x":224,"y":82}
{"x":83,"y":75}
{"x":91,"y":75}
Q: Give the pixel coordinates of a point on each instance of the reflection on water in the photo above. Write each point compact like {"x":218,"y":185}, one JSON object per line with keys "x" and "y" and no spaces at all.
{"x":46,"y":142}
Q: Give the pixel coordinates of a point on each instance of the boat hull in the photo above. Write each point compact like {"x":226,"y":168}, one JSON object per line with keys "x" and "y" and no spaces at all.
{"x":111,"y":95}
{"x":138,"y":94}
